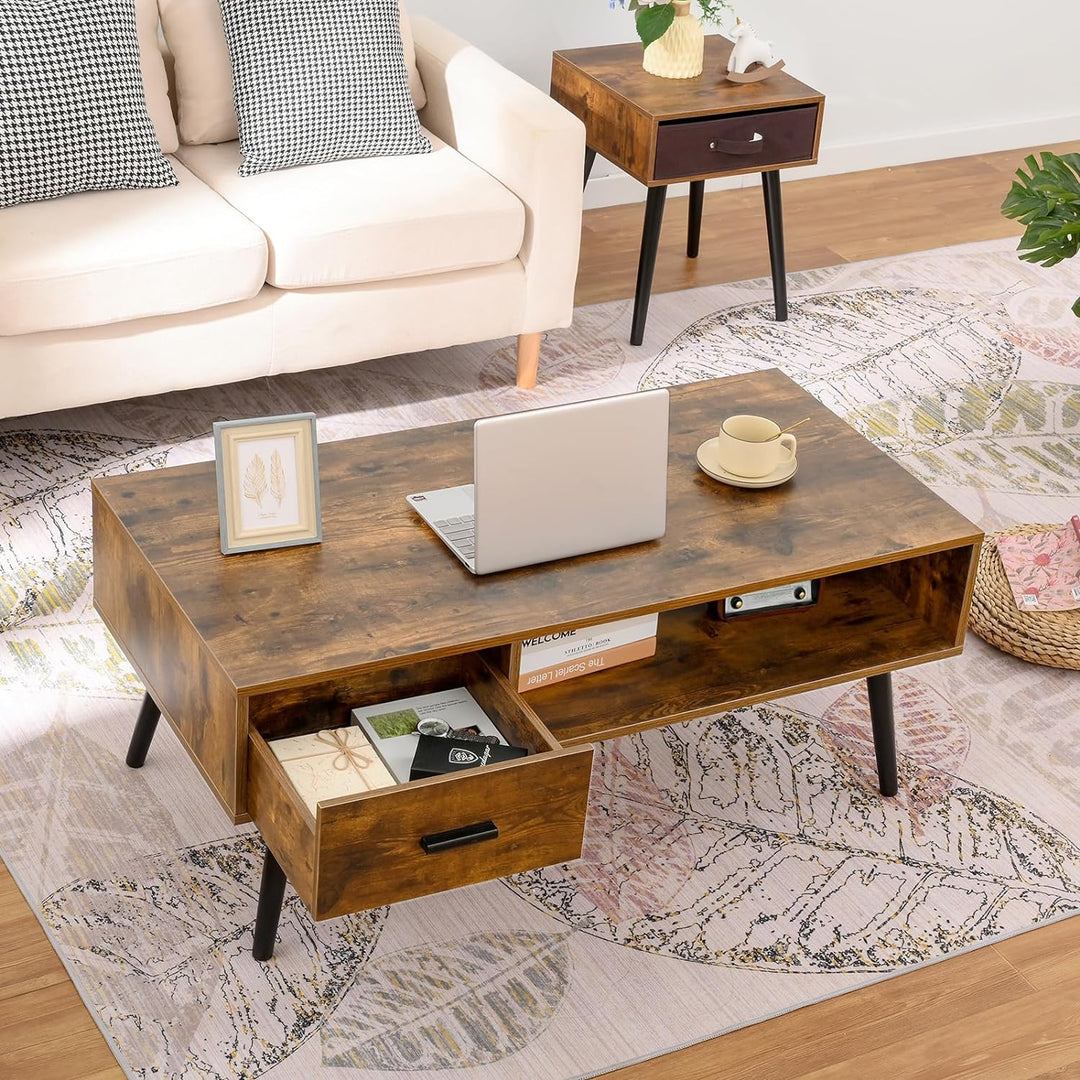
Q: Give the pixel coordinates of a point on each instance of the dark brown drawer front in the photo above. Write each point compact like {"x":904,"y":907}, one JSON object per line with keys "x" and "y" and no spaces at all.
{"x":735,"y":143}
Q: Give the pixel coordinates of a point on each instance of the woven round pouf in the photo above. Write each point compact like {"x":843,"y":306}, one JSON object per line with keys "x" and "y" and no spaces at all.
{"x":1043,"y":637}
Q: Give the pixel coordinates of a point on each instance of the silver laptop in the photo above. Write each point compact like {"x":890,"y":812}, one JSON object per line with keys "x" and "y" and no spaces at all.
{"x":556,"y":482}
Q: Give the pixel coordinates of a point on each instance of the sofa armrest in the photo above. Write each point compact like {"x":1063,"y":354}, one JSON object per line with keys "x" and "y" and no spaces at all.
{"x":528,"y":142}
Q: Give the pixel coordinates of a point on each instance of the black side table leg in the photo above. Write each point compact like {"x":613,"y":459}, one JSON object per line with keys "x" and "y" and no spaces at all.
{"x":590,"y":157}
{"x":774,"y":225}
{"x":693,"y":221}
{"x":879,"y":687}
{"x":650,"y":238}
{"x":271,"y":897}
{"x":143,"y":735}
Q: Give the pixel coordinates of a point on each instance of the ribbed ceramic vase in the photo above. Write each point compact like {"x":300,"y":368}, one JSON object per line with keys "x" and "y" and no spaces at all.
{"x":680,"y":53}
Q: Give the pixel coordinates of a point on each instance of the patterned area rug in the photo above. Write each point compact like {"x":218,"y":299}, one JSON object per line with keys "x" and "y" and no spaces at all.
{"x":735,"y":866}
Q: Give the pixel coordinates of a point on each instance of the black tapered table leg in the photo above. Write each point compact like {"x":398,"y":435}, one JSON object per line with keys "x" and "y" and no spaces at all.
{"x":143,"y":735}
{"x":879,"y":687}
{"x":271,"y":897}
{"x":693,"y":221}
{"x":774,"y":225}
{"x":590,"y":157}
{"x":650,"y":238}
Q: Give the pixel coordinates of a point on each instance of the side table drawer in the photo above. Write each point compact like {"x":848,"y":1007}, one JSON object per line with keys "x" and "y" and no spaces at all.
{"x":362,"y":851}
{"x":738,"y":143}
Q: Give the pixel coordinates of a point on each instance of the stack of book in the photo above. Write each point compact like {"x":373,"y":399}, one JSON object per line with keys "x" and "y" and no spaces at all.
{"x":567,"y":654}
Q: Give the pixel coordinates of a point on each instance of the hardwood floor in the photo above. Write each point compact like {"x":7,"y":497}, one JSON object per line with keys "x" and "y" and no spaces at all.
{"x":1004,"y":1012}
{"x":827,"y":221}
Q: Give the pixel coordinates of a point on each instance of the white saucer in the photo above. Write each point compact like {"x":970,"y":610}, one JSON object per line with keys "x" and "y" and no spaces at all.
{"x":710,"y":465}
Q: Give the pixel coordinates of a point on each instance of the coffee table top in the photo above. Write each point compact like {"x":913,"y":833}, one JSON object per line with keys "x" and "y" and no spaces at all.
{"x":381,"y":586}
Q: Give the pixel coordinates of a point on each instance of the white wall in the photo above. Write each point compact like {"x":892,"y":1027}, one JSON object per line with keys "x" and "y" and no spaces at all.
{"x":904,"y":80}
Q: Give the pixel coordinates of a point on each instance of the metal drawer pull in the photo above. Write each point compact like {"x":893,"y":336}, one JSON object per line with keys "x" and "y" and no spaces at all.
{"x":435,"y":842}
{"x":731,"y":146}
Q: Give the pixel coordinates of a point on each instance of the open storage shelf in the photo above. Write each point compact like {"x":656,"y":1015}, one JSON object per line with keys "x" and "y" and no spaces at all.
{"x":864,"y":621}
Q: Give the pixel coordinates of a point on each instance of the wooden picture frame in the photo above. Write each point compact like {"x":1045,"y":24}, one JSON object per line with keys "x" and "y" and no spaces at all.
{"x":268,"y":482}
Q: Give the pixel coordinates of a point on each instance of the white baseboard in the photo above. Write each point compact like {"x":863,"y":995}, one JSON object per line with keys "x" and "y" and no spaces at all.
{"x":610,"y":187}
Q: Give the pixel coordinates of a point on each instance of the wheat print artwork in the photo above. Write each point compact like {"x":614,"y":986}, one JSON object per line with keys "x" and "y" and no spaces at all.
{"x":277,"y":478}
{"x":267,"y":470}
{"x":255,"y":479}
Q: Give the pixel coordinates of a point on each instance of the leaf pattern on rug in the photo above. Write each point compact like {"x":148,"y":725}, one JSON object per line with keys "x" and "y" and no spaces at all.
{"x":1040,"y":703}
{"x":1030,"y":439}
{"x":49,"y":638}
{"x":466,"y":1002}
{"x":797,"y":863}
{"x":852,"y":349}
{"x":174,"y":936}
{"x":563,"y":361}
{"x":67,"y":804}
{"x":932,"y":734}
{"x":1058,"y":345}
{"x":1029,"y":444}
{"x":640,"y":860}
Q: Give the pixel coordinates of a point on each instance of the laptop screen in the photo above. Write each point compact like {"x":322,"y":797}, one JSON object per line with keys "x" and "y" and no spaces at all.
{"x":570,"y":479}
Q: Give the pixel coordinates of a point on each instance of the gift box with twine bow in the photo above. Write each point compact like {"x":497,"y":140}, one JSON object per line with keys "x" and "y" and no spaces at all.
{"x":338,"y":761}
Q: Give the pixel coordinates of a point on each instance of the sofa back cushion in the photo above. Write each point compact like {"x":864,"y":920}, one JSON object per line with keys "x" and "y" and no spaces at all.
{"x":155,"y":82}
{"x":195,"y":35}
{"x":319,"y":80}
{"x":73,"y":113}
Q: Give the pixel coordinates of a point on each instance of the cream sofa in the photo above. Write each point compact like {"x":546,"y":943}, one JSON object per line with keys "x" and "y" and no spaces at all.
{"x":110,"y":295}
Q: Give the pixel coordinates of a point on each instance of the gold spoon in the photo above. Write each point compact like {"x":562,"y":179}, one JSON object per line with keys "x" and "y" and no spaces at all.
{"x":792,"y":426}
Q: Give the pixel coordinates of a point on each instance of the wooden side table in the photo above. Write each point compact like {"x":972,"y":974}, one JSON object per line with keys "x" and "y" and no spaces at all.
{"x":665,"y":131}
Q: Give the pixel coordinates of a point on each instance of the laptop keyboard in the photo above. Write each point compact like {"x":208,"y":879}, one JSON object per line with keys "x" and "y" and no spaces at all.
{"x":460,"y":532}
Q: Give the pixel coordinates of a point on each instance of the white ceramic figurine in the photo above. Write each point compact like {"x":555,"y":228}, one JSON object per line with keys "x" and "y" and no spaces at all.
{"x":750,"y":49}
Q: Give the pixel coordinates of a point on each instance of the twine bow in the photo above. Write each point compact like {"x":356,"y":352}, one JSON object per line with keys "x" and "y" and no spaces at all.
{"x":347,"y":755}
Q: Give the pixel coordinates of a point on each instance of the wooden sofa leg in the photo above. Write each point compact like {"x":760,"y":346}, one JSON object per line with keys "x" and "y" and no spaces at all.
{"x":528,"y":360}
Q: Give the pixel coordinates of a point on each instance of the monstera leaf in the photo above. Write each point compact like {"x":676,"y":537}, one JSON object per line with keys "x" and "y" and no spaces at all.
{"x":175,"y":935}
{"x":796,"y":863}
{"x":852,"y":349}
{"x":449,"y":1006}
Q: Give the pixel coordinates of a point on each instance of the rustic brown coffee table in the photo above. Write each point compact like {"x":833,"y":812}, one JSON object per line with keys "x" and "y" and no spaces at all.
{"x":236,"y":650}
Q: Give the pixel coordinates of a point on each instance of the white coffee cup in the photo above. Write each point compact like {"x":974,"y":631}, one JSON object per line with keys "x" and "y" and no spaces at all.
{"x":752,"y":446}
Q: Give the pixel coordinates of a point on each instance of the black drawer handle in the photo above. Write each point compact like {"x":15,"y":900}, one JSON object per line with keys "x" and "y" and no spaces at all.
{"x":435,"y":842}
{"x":731,"y":146}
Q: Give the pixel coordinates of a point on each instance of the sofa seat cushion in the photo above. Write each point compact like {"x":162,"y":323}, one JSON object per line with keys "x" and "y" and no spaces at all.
{"x":369,"y":219}
{"x":109,"y":256}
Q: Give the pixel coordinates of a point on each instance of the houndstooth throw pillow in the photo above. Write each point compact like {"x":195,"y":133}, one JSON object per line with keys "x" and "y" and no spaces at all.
{"x":72,"y":110}
{"x":319,"y":80}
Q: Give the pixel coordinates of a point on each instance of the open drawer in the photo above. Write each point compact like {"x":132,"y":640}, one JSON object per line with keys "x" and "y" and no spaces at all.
{"x":366,"y":850}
